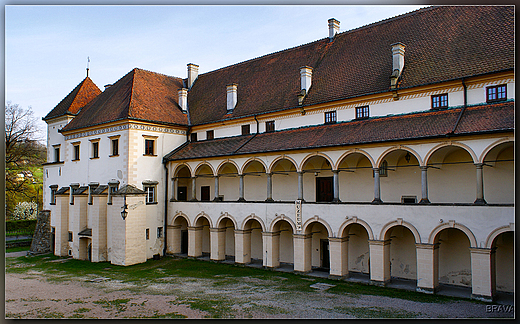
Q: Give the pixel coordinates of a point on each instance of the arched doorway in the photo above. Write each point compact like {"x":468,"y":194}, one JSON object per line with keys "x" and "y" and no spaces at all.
{"x":358,"y":251}
{"x":227,"y":238}
{"x":283,"y":244}
{"x":403,"y":255}
{"x":178,"y":238}
{"x":504,"y":262}
{"x":203,"y":239}
{"x":205,"y":183}
{"x":319,"y":254}
{"x":454,"y":259}
{"x":253,"y":243}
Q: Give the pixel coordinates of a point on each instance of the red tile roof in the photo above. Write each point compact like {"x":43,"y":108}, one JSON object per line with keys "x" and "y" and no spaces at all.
{"x":139,"y":95}
{"x":82,"y":94}
{"x":477,"y":119}
{"x":442,"y":43}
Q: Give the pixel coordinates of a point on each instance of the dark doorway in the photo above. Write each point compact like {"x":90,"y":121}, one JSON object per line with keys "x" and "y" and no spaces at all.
{"x":325,"y":254}
{"x":89,"y":252}
{"x":53,"y":239}
{"x":204,"y":193}
{"x":184,"y":242}
{"x":182,"y":193}
{"x":324,"y":189}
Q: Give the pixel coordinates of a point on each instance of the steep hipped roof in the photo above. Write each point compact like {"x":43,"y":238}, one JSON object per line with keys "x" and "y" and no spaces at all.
{"x":139,"y":95}
{"x":82,"y":94}
{"x":442,"y":43}
{"x":431,"y":124}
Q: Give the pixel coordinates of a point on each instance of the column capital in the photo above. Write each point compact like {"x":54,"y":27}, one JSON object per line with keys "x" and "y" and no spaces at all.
{"x":427,"y":246}
{"x":479,"y":165}
{"x":238,"y":231}
{"x":338,"y":239}
{"x":271,"y":233}
{"x":302,"y":236}
{"x":335,"y":171}
{"x":423,"y":167}
{"x":379,"y":242}
{"x":476,"y":250}
{"x":217,"y":229}
{"x":194,"y":228}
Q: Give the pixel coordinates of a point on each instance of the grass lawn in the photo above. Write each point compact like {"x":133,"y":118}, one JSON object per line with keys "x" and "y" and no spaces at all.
{"x":18,"y":249}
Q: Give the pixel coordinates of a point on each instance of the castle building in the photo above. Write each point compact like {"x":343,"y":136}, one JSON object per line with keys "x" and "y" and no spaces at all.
{"x":385,"y":151}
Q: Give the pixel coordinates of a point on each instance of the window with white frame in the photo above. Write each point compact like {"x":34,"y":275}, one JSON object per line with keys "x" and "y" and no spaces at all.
{"x":56,"y":153}
{"x":150,"y":145}
{"x":150,"y":188}
{"x":75,"y":151}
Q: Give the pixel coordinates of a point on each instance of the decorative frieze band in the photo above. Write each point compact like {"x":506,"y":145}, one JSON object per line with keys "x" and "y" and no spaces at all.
{"x":124,"y":127}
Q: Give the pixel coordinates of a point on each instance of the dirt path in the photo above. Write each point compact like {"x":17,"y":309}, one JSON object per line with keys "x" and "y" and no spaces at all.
{"x":29,"y":295}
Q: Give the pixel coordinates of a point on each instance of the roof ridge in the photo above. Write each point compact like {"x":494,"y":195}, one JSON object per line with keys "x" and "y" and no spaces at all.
{"x":130,"y":102}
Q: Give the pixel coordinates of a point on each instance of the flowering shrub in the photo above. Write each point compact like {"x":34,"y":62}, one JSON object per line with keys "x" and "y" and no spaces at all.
{"x":25,"y":210}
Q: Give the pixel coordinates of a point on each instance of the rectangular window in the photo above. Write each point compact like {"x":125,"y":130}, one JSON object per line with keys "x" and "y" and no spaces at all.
{"x":330,"y":117}
{"x":56,"y":154}
{"x":95,"y":150}
{"x":440,"y":101}
{"x":362,"y":112}
{"x":159,"y":232}
{"x":150,"y":192}
{"x":496,"y":93}
{"x":70,"y":236}
{"x":149,"y":146}
{"x":115,"y":147}
{"x":147,"y":233}
{"x":193,"y":137}
{"x":246,"y":129}
{"x":76,"y":152}
{"x":210,"y":135}
{"x":269,"y":126}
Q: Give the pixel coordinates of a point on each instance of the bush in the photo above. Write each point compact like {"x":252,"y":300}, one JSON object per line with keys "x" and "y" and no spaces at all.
{"x":25,"y":210}
{"x":21,"y":225}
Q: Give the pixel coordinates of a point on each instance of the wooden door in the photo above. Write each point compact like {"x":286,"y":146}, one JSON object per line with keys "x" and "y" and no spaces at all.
{"x":324,"y":189}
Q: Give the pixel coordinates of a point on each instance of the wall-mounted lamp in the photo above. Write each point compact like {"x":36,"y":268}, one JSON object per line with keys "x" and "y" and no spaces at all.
{"x":407,"y":157}
{"x":124,"y":212}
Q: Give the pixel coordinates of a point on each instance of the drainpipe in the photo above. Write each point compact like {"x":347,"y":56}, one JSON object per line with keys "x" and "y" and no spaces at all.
{"x":463,"y":108}
{"x":165,"y":208}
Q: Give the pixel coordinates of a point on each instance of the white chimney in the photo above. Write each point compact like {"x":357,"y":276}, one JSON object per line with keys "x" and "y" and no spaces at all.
{"x":183,"y":99}
{"x":305,"y":77}
{"x":398,"y":58}
{"x":193,"y":72}
{"x":231,"y":96}
{"x":333,"y":28}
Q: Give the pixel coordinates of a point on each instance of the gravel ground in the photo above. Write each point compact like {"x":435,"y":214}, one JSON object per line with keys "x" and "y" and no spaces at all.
{"x":37,"y":295}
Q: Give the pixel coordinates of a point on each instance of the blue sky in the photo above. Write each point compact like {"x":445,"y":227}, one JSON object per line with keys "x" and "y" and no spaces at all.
{"x":46,"y":47}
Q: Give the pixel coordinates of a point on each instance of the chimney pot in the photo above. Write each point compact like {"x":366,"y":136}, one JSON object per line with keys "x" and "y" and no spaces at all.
{"x":306,"y":78}
{"x":183,"y":99}
{"x":398,"y":57}
{"x":193,"y":72}
{"x":231,"y":96}
{"x":333,"y":28}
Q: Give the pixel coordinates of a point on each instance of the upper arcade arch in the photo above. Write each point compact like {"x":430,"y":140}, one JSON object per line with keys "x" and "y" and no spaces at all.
{"x":491,"y":152}
{"x":350,"y":153}
{"x":398,"y":152}
{"x":203,"y":167}
{"x":316,"y":156}
{"x":448,"y":148}
{"x":253,"y":163}
{"x":226,"y":167}
{"x":180,"y":166}
{"x":277,"y":161}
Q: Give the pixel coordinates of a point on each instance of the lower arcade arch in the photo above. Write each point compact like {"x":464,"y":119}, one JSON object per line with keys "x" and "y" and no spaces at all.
{"x":202,"y":236}
{"x":453,"y":259}
{"x":178,"y":236}
{"x":403,"y":254}
{"x":317,"y":250}
{"x":503,"y":262}
{"x":252,"y":242}
{"x":226,"y":239}
{"x":357,"y":251}
{"x":282,"y":244}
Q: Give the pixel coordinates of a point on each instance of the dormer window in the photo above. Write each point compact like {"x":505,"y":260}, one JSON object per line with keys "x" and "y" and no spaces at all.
{"x":246,"y":130}
{"x":496,"y":93}
{"x":440,"y":101}
{"x":210,"y":135}
{"x":193,"y":137}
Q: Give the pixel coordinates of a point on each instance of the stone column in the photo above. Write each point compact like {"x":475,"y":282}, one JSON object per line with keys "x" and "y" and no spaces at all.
{"x":424,"y":185}
{"x":218,"y":243}
{"x":379,"y":261}
{"x":175,"y":184}
{"x":271,"y":253}
{"x":300,"y":186}
{"x":335,"y":178}
{"x":174,"y":239}
{"x":338,"y":247}
{"x":241,"y":188}
{"x":427,"y":267}
{"x":193,"y":189}
{"x":243,"y":246}
{"x":194,"y":241}
{"x":482,"y":274}
{"x":269,"y":187}
{"x":216,"y":189}
{"x":480,"y":185}
{"x":377,"y":187}
{"x":302,"y":252}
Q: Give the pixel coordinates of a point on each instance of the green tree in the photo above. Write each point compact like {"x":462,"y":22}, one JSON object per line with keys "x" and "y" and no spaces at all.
{"x":24,"y":155}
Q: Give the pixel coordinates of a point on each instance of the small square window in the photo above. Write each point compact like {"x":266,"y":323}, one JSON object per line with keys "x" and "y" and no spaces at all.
{"x":210,"y":135}
{"x":159,"y":232}
{"x":147,"y":233}
{"x":149,"y":146}
{"x":95,"y":150}
{"x":362,"y":112}
{"x":70,"y":236}
{"x":330,"y":117}
{"x":246,"y":129}
{"x":496,"y":93}
{"x":115,"y":147}
{"x":269,"y":126}
{"x":440,"y":101}
{"x":76,"y":152}
{"x":193,"y":137}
